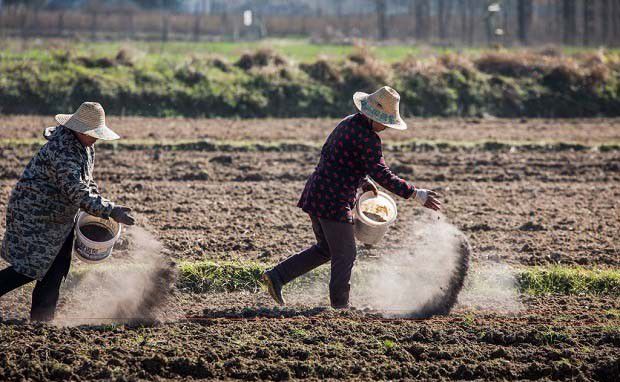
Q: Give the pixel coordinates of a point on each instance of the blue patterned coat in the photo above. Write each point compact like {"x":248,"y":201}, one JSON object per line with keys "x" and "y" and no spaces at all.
{"x":42,"y":207}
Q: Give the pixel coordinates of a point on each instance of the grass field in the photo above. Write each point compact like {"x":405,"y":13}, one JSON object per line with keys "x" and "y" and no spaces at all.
{"x":187,"y":81}
{"x":300,"y":50}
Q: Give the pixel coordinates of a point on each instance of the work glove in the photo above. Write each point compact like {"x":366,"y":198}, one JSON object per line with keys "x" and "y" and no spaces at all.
{"x":121,"y":215}
{"x":428,"y":198}
{"x":370,"y":186}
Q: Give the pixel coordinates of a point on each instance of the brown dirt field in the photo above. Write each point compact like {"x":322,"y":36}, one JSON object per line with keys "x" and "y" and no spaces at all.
{"x":526,"y":208}
{"x":318,"y":343}
{"x":516,"y":207}
{"x":586,"y":131}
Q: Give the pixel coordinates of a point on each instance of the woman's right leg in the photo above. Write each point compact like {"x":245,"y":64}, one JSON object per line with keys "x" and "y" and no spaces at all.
{"x":10,"y":280}
{"x":307,"y":260}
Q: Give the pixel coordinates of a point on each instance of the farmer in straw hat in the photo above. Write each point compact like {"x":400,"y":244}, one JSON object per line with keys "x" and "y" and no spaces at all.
{"x":42,"y":208}
{"x":351,"y":154}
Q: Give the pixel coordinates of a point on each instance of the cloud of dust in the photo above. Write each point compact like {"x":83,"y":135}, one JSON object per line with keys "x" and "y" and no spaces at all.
{"x":420,"y":275}
{"x":405,"y":280}
{"x":491,"y":286}
{"x":133,"y":286}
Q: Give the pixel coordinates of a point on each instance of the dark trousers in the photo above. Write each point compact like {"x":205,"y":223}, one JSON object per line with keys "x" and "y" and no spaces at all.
{"x":46,"y":292}
{"x":335,"y":242}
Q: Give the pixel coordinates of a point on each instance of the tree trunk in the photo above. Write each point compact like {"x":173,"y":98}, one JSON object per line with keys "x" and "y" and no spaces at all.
{"x":616,"y":22}
{"x":605,"y":13}
{"x":558,"y":21}
{"x":381,"y":8}
{"x":442,"y":19}
{"x":61,"y":23}
{"x":93,"y":25}
{"x":131,"y":24}
{"x":464,"y":11}
{"x":423,"y":18}
{"x":524,"y":20}
{"x":196,"y":31}
{"x":471,"y":29}
{"x":34,"y":25}
{"x":588,"y":22}
{"x":445,"y":18}
{"x":569,"y":10}
{"x":165,"y":27}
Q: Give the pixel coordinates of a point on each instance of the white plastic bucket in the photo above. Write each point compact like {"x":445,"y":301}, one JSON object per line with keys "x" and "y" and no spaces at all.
{"x":94,"y":251}
{"x":369,"y":231}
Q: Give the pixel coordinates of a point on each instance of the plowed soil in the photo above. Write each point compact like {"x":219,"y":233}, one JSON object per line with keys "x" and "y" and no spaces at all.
{"x":517,"y":207}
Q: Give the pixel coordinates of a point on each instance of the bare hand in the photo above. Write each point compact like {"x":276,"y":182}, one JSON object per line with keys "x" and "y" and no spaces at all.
{"x":432,"y":201}
{"x":370,"y":186}
{"x":428,"y":198}
{"x":122,"y":215}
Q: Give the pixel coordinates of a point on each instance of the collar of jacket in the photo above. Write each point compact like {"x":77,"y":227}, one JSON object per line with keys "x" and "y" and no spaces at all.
{"x":63,"y":133}
{"x":366,"y":121}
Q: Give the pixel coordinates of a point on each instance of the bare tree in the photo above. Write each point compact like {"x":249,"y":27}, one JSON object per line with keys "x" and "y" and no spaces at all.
{"x":464,"y":11}
{"x":381,"y":9}
{"x":198,"y":11}
{"x":422,"y":19}
{"x":588,"y":22}
{"x":616,"y":21}
{"x":445,"y":16}
{"x":569,"y":10}
{"x":93,"y":7}
{"x":605,"y":15}
{"x":524,"y":20}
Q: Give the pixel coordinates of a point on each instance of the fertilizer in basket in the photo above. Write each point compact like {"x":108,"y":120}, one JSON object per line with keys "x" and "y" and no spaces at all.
{"x":376,"y":210}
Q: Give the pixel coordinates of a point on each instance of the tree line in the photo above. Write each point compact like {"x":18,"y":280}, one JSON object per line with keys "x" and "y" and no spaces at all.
{"x":447,"y":22}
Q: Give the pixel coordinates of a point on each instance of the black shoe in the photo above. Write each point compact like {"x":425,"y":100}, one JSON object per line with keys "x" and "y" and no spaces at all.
{"x":274,"y":286}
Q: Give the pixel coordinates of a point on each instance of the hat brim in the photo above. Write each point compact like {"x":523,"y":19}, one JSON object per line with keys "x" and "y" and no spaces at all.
{"x":358,"y":100}
{"x":103,"y":132}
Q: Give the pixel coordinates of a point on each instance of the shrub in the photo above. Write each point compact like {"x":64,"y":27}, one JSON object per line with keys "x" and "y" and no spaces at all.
{"x":263,"y":84}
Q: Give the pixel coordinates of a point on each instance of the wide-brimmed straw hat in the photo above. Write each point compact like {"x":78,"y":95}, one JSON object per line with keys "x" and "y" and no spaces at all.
{"x":89,"y":119}
{"x":381,"y":106}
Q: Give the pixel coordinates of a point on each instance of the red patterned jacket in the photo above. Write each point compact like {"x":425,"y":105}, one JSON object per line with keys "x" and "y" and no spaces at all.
{"x":352,"y":152}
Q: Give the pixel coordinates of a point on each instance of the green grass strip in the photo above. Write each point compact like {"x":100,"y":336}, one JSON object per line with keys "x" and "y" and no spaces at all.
{"x":301,"y":146}
{"x":570,"y":280}
{"x":209,"y":276}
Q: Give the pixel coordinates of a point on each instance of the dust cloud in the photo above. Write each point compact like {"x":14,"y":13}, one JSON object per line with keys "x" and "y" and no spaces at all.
{"x":133,"y":286}
{"x":419,"y":276}
{"x":426,"y":272}
{"x":492,"y":286}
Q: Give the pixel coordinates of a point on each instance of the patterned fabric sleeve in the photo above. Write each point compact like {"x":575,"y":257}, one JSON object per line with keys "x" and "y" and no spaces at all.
{"x":377,"y":169}
{"x":72,"y":182}
{"x":94,"y":187}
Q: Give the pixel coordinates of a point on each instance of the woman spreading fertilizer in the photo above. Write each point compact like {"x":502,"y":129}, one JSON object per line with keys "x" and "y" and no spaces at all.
{"x":351,"y":153}
{"x":42,"y":208}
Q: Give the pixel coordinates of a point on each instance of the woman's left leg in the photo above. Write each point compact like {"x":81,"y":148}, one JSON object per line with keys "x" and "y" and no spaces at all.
{"x":341,"y":241}
{"x":47,"y":291}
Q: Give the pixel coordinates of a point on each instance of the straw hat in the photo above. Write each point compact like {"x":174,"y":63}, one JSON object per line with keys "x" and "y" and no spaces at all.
{"x":89,"y":119}
{"x":381,"y":106}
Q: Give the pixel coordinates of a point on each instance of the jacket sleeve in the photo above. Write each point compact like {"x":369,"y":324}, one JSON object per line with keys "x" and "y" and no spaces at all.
{"x":378,"y":170}
{"x":72,"y":182}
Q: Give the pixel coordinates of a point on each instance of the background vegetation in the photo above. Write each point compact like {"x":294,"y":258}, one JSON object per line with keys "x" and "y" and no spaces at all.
{"x":264,"y":83}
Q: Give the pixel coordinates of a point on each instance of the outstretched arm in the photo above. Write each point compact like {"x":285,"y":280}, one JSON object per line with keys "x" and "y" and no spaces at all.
{"x":378,"y":170}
